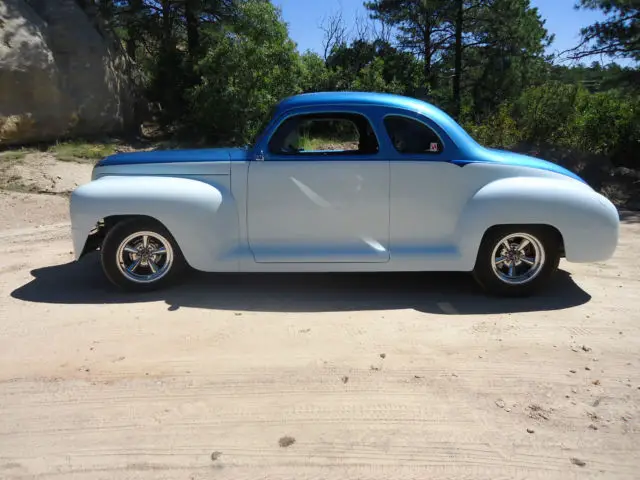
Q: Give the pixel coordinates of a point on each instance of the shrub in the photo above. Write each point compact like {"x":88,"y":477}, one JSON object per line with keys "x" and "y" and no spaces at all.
{"x":249,"y":67}
{"x":604,"y":123}
{"x":544,"y":112}
{"x":498,"y":130}
{"x":77,"y":150}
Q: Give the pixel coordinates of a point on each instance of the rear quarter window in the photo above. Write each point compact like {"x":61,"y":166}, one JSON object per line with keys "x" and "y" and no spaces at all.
{"x":410,"y":136}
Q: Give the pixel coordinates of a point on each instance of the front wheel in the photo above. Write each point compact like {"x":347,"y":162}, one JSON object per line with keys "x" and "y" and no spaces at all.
{"x":517,"y":261}
{"x":140,"y":254}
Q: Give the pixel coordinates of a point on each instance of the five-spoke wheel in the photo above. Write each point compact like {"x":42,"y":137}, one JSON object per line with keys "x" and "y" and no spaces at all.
{"x":140,"y":254}
{"x":145,"y":257}
{"x":517,"y":261}
{"x":518,"y":258}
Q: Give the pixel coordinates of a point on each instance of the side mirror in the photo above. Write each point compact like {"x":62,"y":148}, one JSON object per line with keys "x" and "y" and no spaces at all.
{"x":259,"y":156}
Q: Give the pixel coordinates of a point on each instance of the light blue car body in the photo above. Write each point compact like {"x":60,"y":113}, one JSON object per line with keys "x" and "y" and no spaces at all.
{"x":248,"y":209}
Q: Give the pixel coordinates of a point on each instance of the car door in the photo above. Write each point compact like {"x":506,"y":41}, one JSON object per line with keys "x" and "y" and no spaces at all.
{"x":428,"y":191}
{"x":319,"y":192}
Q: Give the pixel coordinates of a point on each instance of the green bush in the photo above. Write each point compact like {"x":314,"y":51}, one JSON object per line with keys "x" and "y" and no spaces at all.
{"x":249,"y":66}
{"x":567,"y":116}
{"x":604,"y":123}
{"x":316,"y":77}
{"x":78,"y":150}
{"x":544,"y":113}
{"x":498,"y":130}
{"x":371,"y":79}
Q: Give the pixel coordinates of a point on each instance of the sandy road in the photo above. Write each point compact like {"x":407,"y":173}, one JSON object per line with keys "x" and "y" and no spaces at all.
{"x":374,"y":376}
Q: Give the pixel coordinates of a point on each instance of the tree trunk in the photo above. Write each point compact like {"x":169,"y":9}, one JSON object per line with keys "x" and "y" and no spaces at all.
{"x":166,"y":26}
{"x":131,"y":47}
{"x":457,"y":73}
{"x":105,"y":9}
{"x":426,"y":45}
{"x":193,"y":40}
{"x":135,"y":10}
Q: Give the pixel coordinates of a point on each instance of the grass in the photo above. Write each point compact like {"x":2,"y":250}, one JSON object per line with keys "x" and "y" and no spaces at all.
{"x":319,"y":143}
{"x":81,"y":151}
{"x":15,"y":155}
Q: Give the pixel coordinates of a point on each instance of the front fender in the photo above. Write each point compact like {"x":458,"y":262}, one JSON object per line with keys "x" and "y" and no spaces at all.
{"x":587,"y":221}
{"x":202,"y":217}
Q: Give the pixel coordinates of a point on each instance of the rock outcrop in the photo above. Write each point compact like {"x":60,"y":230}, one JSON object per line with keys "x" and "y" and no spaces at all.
{"x":60,"y":76}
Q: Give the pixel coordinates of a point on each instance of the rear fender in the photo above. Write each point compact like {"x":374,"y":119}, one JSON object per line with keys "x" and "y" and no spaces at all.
{"x":587,"y":221}
{"x":202,"y":217}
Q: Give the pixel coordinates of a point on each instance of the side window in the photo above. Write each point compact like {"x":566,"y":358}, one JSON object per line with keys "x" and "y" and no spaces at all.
{"x":411,"y":136}
{"x":325,"y":134}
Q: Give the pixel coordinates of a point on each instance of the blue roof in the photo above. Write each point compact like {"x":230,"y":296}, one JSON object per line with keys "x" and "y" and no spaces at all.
{"x":440,"y":117}
{"x":358,"y":98}
{"x":468,"y":150}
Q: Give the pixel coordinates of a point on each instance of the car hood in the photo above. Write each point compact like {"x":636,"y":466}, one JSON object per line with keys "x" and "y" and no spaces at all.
{"x":509,"y":158}
{"x":175,"y":156}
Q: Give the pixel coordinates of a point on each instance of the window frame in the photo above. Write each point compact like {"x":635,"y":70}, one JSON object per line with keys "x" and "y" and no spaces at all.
{"x":418,"y":120}
{"x":339,"y":155}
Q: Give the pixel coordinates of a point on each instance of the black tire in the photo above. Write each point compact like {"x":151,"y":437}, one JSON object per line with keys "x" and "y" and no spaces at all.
{"x":494,"y":282}
{"x":110,"y":256}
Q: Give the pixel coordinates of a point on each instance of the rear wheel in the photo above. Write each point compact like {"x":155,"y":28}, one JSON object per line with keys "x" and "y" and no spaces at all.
{"x":517,"y":261}
{"x":140,"y":254}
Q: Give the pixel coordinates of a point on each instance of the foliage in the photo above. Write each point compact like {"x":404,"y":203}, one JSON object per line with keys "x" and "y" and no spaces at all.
{"x":488,"y":50}
{"x":617,"y":35}
{"x":325,"y":143}
{"x":316,"y":77}
{"x":213,"y":69}
{"x":249,"y":66}
{"x":598,"y":78}
{"x":545,"y":112}
{"x":498,"y":130}
{"x":422,"y":28}
{"x":78,"y":150}
{"x":371,"y":79}
{"x":15,"y":155}
{"x":605,"y":123}
{"x":504,"y":56}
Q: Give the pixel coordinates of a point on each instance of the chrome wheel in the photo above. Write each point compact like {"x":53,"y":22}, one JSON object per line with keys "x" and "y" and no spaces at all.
{"x":144,"y":257}
{"x":518,"y":258}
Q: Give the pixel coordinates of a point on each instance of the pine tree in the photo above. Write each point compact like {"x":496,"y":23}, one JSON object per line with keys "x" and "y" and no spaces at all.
{"x":617,"y":35}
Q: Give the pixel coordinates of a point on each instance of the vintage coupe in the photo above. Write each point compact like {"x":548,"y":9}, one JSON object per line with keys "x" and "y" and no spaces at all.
{"x":342,"y":182}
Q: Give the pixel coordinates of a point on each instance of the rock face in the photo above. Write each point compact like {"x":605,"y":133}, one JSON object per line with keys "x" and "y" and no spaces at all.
{"x":59,"y":75}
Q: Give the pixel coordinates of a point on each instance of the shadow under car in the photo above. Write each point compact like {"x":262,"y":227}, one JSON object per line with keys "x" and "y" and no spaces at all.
{"x":449,"y":293}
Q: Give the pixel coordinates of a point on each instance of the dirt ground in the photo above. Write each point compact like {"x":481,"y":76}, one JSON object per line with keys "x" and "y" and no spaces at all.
{"x":43,"y":173}
{"x":310,"y":376}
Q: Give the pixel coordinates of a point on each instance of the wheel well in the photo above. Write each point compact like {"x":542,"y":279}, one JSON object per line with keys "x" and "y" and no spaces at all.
{"x":548,"y":228}
{"x":103,"y":226}
{"x":111,"y":221}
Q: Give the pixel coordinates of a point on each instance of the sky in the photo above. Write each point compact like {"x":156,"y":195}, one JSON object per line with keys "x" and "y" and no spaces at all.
{"x":305,"y":16}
